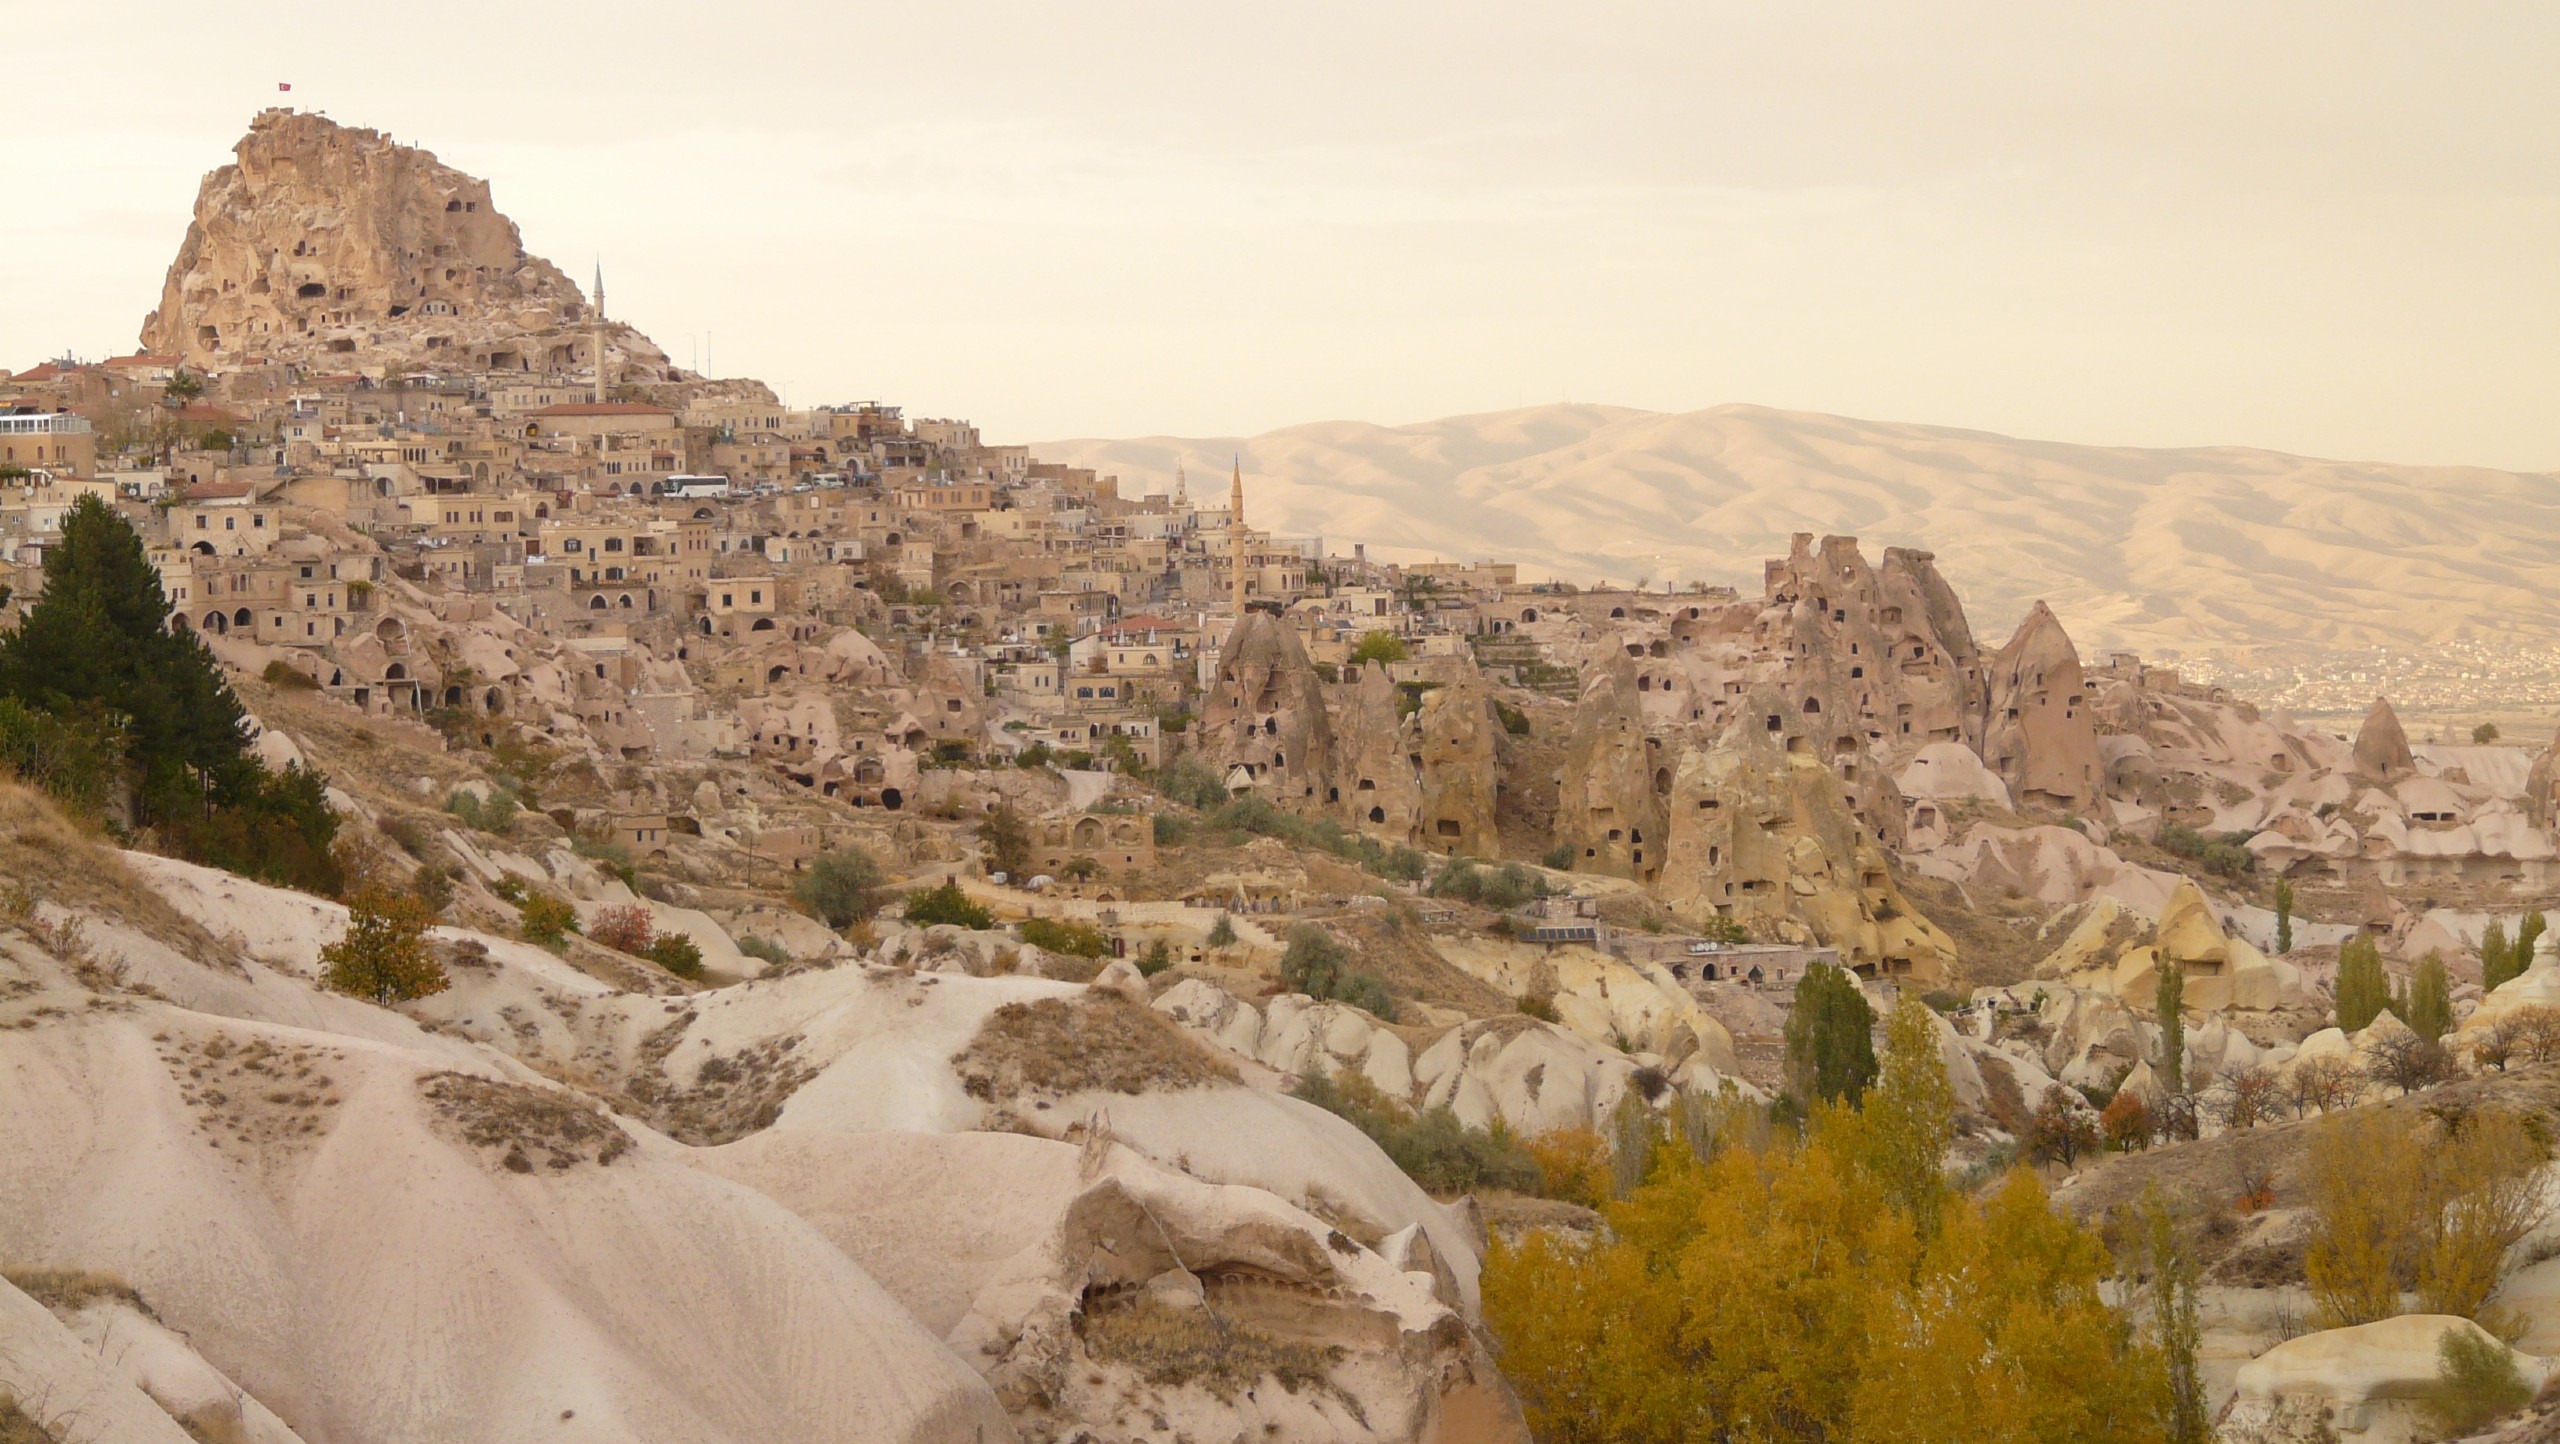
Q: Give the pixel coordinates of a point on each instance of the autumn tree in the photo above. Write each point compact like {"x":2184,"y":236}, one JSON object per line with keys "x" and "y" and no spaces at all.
{"x":1831,"y":1055}
{"x":627,"y":928}
{"x":2061,"y":1129}
{"x":2126,"y":1121}
{"x":1777,"y":1293}
{"x":382,"y":957}
{"x":1908,"y":1118}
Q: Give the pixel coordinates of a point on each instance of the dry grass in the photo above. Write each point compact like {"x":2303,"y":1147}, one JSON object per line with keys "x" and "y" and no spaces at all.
{"x":532,"y":1125}
{"x":17,"y":1428}
{"x":1171,"y":1347}
{"x":253,"y":1093}
{"x":1996,"y":942}
{"x":732,"y":1096}
{"x":47,"y":857}
{"x":69,"y":1290}
{"x":1102,"y":1043}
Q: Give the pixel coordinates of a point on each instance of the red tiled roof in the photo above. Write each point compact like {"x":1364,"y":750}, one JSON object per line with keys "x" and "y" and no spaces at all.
{"x":140,"y":358}
{"x":218,"y":490}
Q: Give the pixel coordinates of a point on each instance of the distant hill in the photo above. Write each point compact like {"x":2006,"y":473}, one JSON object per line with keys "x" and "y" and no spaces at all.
{"x":2221,"y":551}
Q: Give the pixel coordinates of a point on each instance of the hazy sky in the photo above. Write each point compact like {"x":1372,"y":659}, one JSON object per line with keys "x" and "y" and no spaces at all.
{"x":2330,"y":227}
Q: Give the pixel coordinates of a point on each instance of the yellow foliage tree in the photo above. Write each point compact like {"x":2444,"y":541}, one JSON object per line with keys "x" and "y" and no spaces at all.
{"x":2429,"y":1207}
{"x":1783,"y":1295}
{"x":382,"y":956}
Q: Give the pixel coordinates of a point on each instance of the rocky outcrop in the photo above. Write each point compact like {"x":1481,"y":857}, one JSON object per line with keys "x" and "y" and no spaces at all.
{"x":1759,"y":831}
{"x":2114,"y":950}
{"x":2542,"y":786}
{"x":324,"y":245}
{"x":1377,"y":786}
{"x":1263,"y":722}
{"x":2040,"y":735}
{"x":2366,"y":1381}
{"x":1460,"y":767}
{"x":2382,"y":747}
{"x":1611,"y":787}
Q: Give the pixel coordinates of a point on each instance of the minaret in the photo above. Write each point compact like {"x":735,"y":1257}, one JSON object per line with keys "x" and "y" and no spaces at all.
{"x":599,"y":340}
{"x":1181,"y":490}
{"x":1235,"y":537}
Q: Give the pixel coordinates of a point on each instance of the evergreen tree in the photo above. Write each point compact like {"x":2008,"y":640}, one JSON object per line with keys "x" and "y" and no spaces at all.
{"x":2497,"y":958}
{"x":2172,"y":1000}
{"x":98,"y":645}
{"x":2528,"y":933}
{"x":1831,"y":1054}
{"x":2284,"y":916}
{"x":2363,"y":990}
{"x":2429,"y":1009}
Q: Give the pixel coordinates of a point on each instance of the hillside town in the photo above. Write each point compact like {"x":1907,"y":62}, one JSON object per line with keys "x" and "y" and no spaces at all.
{"x":1195,"y":861}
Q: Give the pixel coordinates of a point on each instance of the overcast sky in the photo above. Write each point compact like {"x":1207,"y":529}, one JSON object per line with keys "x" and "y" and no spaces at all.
{"x":2326,"y":227}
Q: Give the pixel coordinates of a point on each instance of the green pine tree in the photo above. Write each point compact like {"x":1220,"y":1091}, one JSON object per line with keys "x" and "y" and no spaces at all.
{"x":2172,"y":1001}
{"x":98,"y":644}
{"x":2528,"y":933}
{"x":2284,"y":916}
{"x":2363,"y":989}
{"x":1831,"y":1055}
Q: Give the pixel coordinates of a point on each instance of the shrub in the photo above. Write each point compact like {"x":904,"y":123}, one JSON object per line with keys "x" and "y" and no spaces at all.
{"x":433,"y":886}
{"x":841,"y":887}
{"x":2485,"y":733}
{"x":1191,"y":781}
{"x":2061,"y":1130}
{"x":1433,"y":1148}
{"x":2476,"y":1376}
{"x":545,"y":920}
{"x":1222,"y":933}
{"x":382,"y":957}
{"x":1317,"y":965}
{"x":496,"y":814}
{"x":1514,"y":721}
{"x":508,"y":887}
{"x":1157,"y":958}
{"x":1558,"y":858}
{"x":1574,"y":1166}
{"x":1502,"y":888}
{"x":627,"y":929}
{"x":678,"y":953}
{"x":1541,"y":1006}
{"x":281,"y":673}
{"x":765,"y":948}
{"x":947,"y":904}
{"x":1075,"y":939}
{"x":1380,"y":647}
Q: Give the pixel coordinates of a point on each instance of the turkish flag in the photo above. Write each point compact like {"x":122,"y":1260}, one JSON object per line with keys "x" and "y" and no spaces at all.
{"x":284,"y":85}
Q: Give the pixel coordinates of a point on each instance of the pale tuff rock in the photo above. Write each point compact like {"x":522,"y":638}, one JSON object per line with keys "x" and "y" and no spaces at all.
{"x":2382,"y":748}
{"x":2040,"y":735}
{"x":1459,"y":774}
{"x":2370,"y":1377}
{"x":2542,"y":786}
{"x":327,"y":246}
{"x":1379,"y":782}
{"x":1614,"y":778}
{"x":1760,"y":832}
{"x":1263,"y":722}
{"x":2114,"y":950}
